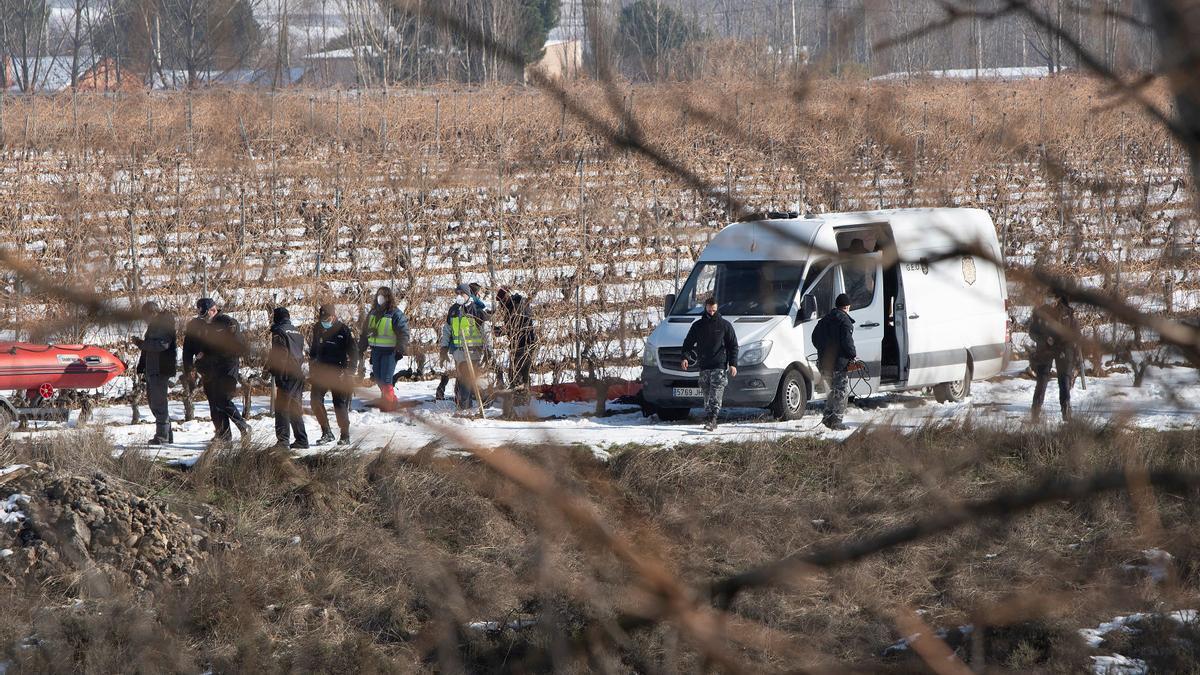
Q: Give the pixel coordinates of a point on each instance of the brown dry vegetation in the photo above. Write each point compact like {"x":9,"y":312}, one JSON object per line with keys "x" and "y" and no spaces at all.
{"x":407,"y":189}
{"x":396,"y":556}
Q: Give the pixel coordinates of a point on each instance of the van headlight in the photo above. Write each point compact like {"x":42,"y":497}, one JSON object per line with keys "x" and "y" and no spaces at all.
{"x":649,"y":355}
{"x":754,"y":353}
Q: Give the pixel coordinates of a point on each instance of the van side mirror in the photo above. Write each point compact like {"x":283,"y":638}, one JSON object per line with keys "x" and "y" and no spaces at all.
{"x":668,"y":303}
{"x":808,"y":308}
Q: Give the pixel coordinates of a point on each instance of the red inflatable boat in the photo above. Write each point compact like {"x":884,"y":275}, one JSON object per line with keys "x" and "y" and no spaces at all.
{"x":48,"y":368}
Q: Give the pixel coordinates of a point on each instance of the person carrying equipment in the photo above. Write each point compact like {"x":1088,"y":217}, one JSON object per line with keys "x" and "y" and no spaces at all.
{"x":833,"y":337}
{"x":333,"y":358}
{"x":385,"y":331}
{"x":213,"y":346}
{"x":157,"y":365}
{"x":463,"y":340}
{"x":1053,"y":329}
{"x":285,"y":363}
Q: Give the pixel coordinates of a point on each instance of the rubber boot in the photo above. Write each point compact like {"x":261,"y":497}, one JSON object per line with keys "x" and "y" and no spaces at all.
{"x":387,"y":402}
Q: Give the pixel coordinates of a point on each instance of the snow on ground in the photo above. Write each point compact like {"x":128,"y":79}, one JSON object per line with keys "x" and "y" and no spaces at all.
{"x":1117,"y":664}
{"x":1010,"y":73}
{"x":1168,"y":399}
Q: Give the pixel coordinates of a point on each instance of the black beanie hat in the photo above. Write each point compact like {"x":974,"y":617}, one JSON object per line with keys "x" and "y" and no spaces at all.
{"x":205,"y":304}
{"x":281,"y":315}
{"x":842,"y":300}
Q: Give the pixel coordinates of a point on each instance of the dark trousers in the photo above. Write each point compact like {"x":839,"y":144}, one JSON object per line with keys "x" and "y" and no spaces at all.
{"x":289,"y":414}
{"x":341,"y":407}
{"x":1041,"y":368}
{"x":156,"y":394}
{"x":521,"y":360}
{"x":219,"y":389}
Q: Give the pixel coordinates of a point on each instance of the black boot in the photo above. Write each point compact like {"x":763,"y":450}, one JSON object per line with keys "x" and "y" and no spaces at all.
{"x":326,"y":437}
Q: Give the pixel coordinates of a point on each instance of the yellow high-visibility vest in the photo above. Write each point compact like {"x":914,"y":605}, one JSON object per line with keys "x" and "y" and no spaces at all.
{"x":382,"y":333}
{"x":464,"y":330}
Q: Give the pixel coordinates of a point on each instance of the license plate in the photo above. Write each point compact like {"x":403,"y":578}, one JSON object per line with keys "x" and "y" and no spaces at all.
{"x":687,"y":392}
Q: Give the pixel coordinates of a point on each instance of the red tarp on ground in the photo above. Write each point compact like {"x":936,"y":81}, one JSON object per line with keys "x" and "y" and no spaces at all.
{"x":569,"y":392}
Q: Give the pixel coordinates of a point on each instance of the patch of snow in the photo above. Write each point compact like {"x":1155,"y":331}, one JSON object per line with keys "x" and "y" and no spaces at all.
{"x":493,"y":626}
{"x":11,"y":468}
{"x":1118,"y":665}
{"x":1157,"y":565}
{"x":5,"y":552}
{"x":904,"y":644}
{"x":1012,"y":73}
{"x":10,"y":511}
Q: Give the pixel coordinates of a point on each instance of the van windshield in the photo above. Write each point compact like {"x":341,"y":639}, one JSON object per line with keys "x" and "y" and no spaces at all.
{"x":750,"y":288}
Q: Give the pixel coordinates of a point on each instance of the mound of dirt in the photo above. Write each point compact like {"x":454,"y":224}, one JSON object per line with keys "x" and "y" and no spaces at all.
{"x":57,"y":525}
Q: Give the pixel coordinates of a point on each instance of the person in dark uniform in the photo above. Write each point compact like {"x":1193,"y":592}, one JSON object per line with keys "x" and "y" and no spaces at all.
{"x":833,"y":337}
{"x":517,"y":323}
{"x":213,"y":346}
{"x":1053,"y":329}
{"x":157,"y":365}
{"x":333,"y":358}
{"x":285,"y":363}
{"x":711,"y":344}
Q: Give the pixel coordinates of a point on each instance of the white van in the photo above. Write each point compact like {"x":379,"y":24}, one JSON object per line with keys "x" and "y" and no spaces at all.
{"x":927,"y":321}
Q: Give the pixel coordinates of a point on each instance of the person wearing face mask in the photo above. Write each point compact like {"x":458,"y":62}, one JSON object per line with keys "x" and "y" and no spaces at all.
{"x":333,"y":357}
{"x":385,"y":331}
{"x":464,"y":340}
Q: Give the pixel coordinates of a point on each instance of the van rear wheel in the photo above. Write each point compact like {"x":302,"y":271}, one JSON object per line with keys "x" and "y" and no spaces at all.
{"x":792,"y":397}
{"x":673,"y":414}
{"x":953,"y":392}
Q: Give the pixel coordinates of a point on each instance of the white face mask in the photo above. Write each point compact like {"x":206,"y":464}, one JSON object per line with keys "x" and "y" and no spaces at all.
{"x":380,"y":300}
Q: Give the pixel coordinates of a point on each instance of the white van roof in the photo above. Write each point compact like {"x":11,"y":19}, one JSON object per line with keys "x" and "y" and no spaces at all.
{"x":794,"y":238}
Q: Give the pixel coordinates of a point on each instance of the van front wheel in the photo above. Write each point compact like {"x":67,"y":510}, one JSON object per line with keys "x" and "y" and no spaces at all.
{"x":792,"y":397}
{"x":953,"y":392}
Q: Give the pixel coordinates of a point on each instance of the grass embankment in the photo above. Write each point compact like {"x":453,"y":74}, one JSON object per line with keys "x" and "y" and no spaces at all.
{"x":347,"y":563}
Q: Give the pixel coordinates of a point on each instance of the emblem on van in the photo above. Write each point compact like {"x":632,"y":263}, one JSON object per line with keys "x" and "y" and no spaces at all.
{"x":968,"y":265}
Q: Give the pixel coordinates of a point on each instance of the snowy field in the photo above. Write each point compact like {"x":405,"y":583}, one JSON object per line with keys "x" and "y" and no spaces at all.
{"x":1168,"y":399}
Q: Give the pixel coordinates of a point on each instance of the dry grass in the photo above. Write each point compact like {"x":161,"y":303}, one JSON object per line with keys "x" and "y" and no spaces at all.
{"x":395,"y":556}
{"x":412,"y":185}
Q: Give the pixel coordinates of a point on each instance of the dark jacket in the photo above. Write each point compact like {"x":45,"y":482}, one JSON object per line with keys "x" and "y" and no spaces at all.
{"x":219,"y":346}
{"x":711,"y":343}
{"x":287,"y":352}
{"x":158,"y":347}
{"x":1052,"y":328}
{"x":833,"y":337}
{"x":334,"y":346}
{"x":518,"y":320}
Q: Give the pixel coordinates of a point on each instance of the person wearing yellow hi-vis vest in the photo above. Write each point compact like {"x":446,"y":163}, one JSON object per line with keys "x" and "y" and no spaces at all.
{"x":385,"y":331}
{"x":464,"y":340}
